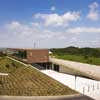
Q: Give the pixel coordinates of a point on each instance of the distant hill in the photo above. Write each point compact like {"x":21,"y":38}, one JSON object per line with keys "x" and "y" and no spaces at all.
{"x":1,"y":49}
{"x":91,"y":52}
{"x":84,"y":55}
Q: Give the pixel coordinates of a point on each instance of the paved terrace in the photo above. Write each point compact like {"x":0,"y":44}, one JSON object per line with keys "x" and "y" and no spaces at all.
{"x":87,"y":70}
{"x":85,"y":86}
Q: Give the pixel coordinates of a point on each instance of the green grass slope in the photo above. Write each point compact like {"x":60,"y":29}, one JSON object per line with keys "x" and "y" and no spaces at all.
{"x":27,"y":81}
{"x":78,"y":58}
{"x":84,"y":55}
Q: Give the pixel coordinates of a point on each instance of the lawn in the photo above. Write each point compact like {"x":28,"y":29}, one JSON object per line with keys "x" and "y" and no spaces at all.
{"x":78,"y":58}
{"x":27,"y":81}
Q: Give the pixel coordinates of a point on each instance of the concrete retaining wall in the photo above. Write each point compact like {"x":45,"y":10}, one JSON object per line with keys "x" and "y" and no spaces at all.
{"x":71,"y":71}
{"x":72,"y":97}
{"x":79,"y":69}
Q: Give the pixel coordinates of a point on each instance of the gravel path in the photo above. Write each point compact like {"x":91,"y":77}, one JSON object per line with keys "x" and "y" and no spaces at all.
{"x":90,"y":70}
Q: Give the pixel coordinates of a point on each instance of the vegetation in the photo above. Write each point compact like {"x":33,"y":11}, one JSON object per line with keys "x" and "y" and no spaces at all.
{"x":20,"y":54}
{"x":2,"y":54}
{"x":84,"y":55}
{"x":25,"y":80}
{"x":8,"y":66}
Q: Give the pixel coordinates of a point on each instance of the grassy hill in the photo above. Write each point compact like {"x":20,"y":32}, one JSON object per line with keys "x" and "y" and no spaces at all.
{"x":84,"y":55}
{"x":25,"y":80}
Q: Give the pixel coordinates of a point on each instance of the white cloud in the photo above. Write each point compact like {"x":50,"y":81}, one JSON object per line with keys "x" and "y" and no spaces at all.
{"x":21,"y":34}
{"x":78,"y":30}
{"x":19,"y":29}
{"x":94,"y":5}
{"x":93,"y":13}
{"x":31,"y":30}
{"x":53,"y":8}
{"x":93,"y":16}
{"x":58,"y":20}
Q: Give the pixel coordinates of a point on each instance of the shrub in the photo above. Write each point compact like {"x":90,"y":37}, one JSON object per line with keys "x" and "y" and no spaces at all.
{"x":7,"y":66}
{"x":86,"y":57}
{"x":0,"y":82}
{"x":13,"y":64}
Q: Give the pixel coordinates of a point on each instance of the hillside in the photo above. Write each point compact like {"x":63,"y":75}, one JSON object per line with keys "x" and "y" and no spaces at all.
{"x":25,"y":80}
{"x":84,"y":55}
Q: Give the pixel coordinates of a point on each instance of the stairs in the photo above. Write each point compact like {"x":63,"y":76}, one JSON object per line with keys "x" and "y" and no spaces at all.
{"x":38,"y":66}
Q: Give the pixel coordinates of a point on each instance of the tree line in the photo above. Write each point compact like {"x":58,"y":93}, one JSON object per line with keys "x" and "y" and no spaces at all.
{"x":86,"y":52}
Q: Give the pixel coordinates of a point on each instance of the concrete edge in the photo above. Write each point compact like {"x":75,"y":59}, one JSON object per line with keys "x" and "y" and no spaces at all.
{"x":77,"y":71}
{"x":62,"y":97}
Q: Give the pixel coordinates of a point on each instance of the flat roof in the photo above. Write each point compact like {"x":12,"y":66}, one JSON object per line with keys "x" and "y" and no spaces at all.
{"x":27,"y":48}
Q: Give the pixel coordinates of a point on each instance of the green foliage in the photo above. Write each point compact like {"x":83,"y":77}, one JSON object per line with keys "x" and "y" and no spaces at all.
{"x":2,"y":54}
{"x":84,"y":55}
{"x":21,"y":54}
{"x":91,"y":52}
{"x":1,"y":82}
{"x":7,"y":65}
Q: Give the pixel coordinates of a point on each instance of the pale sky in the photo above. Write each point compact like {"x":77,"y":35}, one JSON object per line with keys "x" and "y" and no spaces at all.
{"x":49,"y":23}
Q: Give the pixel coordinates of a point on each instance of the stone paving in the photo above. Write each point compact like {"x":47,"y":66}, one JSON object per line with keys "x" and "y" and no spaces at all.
{"x":83,"y":85}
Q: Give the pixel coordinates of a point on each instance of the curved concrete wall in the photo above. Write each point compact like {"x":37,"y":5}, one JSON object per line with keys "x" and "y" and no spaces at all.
{"x":72,"y":97}
{"x":77,"y":68}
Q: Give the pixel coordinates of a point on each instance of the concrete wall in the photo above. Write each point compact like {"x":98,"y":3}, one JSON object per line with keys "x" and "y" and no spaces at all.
{"x":67,"y":70}
{"x":72,"y":97}
{"x":77,"y":68}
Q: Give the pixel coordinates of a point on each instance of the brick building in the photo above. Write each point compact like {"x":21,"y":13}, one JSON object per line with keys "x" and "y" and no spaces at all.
{"x":38,"y":56}
{"x":31,"y":55}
